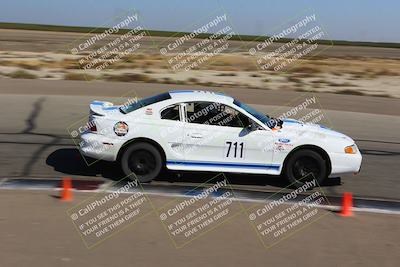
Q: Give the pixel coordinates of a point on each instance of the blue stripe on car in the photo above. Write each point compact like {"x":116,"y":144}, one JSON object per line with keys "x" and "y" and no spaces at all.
{"x":292,"y":121}
{"x":223,"y":164}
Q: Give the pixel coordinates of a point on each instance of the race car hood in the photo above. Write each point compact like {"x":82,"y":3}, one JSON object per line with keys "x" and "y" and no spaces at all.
{"x":319,"y":130}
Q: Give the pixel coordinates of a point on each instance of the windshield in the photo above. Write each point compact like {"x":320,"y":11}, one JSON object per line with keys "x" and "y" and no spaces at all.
{"x":269,"y":121}
{"x":144,"y":102}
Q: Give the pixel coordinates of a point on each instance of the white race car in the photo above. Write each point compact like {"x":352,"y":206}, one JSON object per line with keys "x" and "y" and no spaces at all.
{"x":206,"y":131}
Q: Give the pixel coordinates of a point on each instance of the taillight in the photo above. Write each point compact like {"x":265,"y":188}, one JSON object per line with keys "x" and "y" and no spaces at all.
{"x":93,"y":127}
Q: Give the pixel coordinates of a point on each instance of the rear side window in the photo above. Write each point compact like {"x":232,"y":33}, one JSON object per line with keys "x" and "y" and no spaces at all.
{"x":144,"y":102}
{"x":171,"y":113}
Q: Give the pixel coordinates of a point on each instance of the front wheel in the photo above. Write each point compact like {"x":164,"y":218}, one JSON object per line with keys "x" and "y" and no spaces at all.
{"x":304,"y":166}
{"x":143,"y":160}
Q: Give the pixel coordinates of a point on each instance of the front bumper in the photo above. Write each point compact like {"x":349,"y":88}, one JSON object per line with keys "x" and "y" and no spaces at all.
{"x":345,"y":163}
{"x":98,"y":146}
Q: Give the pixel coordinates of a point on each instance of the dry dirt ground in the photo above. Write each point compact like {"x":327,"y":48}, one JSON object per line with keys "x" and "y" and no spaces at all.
{"x":41,"y":55}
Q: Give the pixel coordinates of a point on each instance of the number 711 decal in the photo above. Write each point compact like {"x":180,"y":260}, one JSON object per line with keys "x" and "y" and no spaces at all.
{"x":235,"y":149}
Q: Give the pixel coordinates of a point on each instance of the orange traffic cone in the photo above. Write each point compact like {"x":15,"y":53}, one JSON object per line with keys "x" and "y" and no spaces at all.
{"x":347,"y":205}
{"x":66,"y":193}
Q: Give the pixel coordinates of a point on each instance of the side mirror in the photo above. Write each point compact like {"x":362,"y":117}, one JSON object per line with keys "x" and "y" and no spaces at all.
{"x":251,"y":127}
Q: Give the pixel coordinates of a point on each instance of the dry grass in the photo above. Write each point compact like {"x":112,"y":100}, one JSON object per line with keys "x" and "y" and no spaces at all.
{"x":78,"y":76}
{"x":67,"y":64}
{"x":226,"y":74}
{"x":336,"y":73}
{"x":345,"y":84}
{"x":233,"y":62}
{"x":386,"y":72}
{"x":25,"y":64}
{"x":193,"y":80}
{"x":304,"y":69}
{"x":320,"y":81}
{"x":128,"y":77}
{"x":30,"y":65}
{"x":21,"y":74}
{"x":315,"y":72}
{"x":294,"y":79}
{"x":349,"y":92}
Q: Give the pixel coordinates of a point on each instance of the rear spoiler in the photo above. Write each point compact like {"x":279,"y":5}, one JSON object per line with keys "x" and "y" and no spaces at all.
{"x":101,"y":107}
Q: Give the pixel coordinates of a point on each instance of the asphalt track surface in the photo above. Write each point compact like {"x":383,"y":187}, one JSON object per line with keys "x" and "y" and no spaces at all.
{"x":34,"y":141}
{"x":36,"y":231}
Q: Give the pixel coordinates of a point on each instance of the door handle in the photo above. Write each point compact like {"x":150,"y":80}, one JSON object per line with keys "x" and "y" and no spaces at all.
{"x":196,"y":135}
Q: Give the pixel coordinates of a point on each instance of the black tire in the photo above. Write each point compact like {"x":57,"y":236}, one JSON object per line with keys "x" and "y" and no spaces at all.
{"x":143,"y":160}
{"x":305,"y":165}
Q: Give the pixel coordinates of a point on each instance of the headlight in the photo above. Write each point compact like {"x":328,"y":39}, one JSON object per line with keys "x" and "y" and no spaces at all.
{"x":350,"y":149}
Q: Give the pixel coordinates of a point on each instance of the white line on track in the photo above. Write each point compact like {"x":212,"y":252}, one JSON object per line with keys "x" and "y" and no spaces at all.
{"x":327,"y":207}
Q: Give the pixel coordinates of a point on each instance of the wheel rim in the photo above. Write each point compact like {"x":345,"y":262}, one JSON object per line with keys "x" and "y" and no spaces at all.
{"x":305,"y":166}
{"x":142,"y":162}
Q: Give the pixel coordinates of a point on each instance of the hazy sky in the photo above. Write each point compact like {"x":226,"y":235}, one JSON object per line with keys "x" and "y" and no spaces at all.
{"x":357,"y":20}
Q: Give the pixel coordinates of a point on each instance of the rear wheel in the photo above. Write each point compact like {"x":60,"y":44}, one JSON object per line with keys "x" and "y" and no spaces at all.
{"x":305,"y":165}
{"x":143,"y":160}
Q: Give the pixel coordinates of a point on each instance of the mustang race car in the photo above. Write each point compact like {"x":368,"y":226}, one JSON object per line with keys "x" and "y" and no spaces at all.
{"x":206,"y":131}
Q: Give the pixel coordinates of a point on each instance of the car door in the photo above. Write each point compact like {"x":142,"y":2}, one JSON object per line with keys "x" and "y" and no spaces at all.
{"x":218,"y":137}
{"x":170,"y":132}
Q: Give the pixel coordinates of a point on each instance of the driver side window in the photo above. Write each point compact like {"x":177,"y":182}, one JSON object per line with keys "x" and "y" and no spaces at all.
{"x":213,"y":113}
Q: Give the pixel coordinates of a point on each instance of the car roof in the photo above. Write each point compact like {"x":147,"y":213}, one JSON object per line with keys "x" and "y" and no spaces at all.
{"x":199,"y":95}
